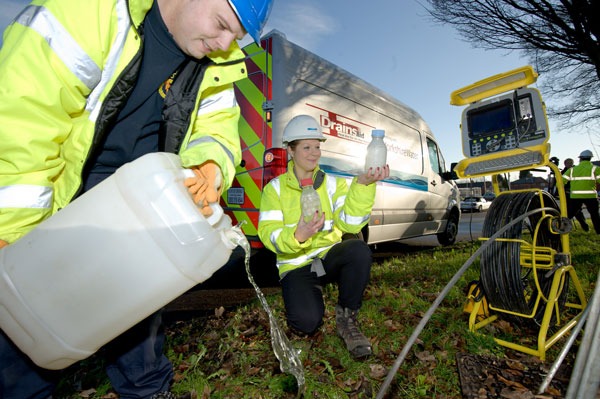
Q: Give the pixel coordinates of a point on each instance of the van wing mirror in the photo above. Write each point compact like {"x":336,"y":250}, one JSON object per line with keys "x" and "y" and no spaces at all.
{"x":452,"y":174}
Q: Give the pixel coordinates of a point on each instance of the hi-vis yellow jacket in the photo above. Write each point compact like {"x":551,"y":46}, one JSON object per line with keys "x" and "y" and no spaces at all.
{"x":583,"y":178}
{"x":347,"y":210}
{"x":65,"y":67}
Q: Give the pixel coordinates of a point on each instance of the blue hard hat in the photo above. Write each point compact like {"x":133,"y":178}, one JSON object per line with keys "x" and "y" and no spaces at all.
{"x":253,"y":15}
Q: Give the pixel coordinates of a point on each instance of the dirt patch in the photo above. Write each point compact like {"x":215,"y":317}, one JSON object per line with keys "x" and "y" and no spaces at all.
{"x":483,"y":377}
{"x":208,"y":300}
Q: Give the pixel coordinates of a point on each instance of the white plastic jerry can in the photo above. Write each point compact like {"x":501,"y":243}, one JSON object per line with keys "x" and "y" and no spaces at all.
{"x":112,"y":257}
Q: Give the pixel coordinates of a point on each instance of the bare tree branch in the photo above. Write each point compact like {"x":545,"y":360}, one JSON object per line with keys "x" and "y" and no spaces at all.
{"x":560,"y":38}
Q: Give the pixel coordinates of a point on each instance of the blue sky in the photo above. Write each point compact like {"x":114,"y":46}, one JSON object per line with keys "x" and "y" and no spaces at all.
{"x":395,"y":46}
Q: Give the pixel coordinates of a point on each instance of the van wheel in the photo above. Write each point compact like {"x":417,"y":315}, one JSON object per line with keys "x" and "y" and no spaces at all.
{"x":448,"y":237}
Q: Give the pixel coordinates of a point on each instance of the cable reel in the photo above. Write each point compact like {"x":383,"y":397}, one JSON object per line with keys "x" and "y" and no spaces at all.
{"x":526,"y":273}
{"x":517,"y":270}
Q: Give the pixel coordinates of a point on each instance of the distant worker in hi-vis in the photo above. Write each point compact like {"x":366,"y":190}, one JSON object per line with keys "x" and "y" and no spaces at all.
{"x":568,"y":164}
{"x":583,"y":179}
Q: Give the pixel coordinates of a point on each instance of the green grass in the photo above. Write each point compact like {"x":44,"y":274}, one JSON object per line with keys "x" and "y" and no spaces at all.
{"x":230,"y":356}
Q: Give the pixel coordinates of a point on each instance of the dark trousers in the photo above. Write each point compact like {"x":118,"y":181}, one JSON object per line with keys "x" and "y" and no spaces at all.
{"x":575,"y":214}
{"x":348,"y":264}
{"x":137,"y":367}
{"x":20,"y":378}
{"x":591,"y":205}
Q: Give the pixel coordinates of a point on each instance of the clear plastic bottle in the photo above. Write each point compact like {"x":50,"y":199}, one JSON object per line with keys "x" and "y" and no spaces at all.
{"x":376,"y":151}
{"x":309,"y":200}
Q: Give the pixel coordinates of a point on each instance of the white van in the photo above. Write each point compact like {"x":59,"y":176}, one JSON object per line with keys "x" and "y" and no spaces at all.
{"x":286,"y":80}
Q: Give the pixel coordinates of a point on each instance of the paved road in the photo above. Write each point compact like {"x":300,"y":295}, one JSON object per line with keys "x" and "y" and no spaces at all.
{"x":469,"y":229}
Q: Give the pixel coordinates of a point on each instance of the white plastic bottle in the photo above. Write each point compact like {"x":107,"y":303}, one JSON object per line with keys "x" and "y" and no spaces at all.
{"x":109,"y":259}
{"x":310,"y":201}
{"x":376,"y":151}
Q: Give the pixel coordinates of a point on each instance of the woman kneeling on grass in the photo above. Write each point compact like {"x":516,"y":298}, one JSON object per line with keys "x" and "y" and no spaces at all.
{"x":310,"y":251}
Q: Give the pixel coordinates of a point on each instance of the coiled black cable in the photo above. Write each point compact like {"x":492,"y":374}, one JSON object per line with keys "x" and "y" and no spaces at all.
{"x":506,"y":285}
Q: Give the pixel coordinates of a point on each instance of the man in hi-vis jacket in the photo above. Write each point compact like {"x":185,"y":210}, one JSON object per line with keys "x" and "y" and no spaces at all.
{"x":87,"y":86}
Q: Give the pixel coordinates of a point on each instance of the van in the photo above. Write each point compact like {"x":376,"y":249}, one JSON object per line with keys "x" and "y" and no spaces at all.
{"x":285,"y":80}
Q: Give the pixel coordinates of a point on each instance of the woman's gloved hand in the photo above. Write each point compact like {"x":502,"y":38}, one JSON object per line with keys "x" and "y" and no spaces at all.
{"x":206,"y":186}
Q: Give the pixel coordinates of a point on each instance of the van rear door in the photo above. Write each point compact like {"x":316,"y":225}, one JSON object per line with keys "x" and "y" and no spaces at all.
{"x":242,"y":200}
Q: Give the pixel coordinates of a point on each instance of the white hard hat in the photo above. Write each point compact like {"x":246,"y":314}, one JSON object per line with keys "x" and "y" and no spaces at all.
{"x":302,"y":127}
{"x":586,"y":154}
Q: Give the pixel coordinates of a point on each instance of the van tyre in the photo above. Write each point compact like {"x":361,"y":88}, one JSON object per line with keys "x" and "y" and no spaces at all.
{"x":448,"y":237}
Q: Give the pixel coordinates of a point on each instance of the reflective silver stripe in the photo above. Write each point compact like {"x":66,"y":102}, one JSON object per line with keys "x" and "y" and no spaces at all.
{"x":110,"y":65}
{"x":353,"y":220}
{"x":278,"y":217}
{"x":274,"y":235}
{"x":25,"y":196}
{"x":339,"y":202}
{"x":62,"y":43}
{"x":218,"y":101}
{"x":569,"y":175}
{"x":592,"y":175}
{"x":330,"y":185}
{"x":330,"y":191}
{"x":270,"y":215}
{"x":207,"y":139}
{"x":302,"y":259}
{"x":584,"y":178}
{"x":276,"y":184}
{"x":583,"y":192}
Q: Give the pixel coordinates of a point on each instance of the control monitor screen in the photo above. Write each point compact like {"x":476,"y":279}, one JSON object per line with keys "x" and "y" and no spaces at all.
{"x":511,"y":120}
{"x":493,"y":118}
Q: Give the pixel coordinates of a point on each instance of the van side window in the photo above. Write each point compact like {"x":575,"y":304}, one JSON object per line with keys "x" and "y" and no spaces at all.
{"x":434,"y":159}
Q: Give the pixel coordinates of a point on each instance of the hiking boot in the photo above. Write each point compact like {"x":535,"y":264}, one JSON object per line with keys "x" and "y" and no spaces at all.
{"x":347,"y":327}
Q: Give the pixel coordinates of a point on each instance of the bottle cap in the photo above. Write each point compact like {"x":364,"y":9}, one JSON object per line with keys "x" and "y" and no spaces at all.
{"x":377,"y":133}
{"x":306,"y":182}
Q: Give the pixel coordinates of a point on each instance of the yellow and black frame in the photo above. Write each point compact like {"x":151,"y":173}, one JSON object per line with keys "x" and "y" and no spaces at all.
{"x":526,"y":275}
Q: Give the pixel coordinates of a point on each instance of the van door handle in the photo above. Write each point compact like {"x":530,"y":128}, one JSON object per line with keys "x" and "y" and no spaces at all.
{"x":433,"y":183}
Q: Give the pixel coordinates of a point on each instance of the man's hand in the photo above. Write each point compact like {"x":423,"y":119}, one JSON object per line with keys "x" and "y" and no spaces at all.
{"x":206,"y":186}
{"x":3,"y":244}
{"x":305,"y":230}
